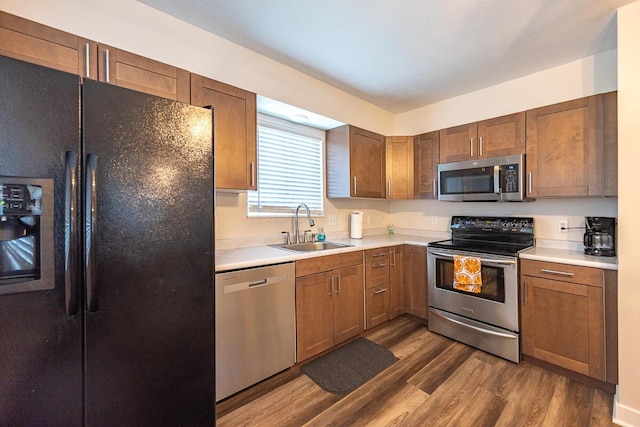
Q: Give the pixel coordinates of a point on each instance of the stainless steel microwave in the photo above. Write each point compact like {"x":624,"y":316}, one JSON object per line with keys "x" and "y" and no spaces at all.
{"x":483,"y":180}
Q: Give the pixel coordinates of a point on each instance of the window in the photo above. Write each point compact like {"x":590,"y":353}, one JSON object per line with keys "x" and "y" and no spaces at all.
{"x":290,"y":168}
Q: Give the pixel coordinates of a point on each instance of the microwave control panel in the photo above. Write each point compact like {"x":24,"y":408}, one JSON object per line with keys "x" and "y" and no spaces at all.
{"x":510,"y":177}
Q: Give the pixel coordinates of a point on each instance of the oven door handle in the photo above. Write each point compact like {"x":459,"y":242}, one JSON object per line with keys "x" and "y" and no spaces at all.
{"x":484,"y":331}
{"x":482,"y":260}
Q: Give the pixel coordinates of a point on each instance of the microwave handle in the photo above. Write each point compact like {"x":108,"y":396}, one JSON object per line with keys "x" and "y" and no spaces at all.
{"x":496,"y":179}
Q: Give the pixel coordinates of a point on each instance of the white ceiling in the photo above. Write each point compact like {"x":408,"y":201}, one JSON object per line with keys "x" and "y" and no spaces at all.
{"x":404,"y":54}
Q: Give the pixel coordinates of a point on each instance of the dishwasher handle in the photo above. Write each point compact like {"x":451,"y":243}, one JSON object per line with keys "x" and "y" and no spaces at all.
{"x":253,"y":284}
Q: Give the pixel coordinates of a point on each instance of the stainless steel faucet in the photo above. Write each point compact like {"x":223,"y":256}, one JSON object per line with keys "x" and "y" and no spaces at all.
{"x":296,"y":235}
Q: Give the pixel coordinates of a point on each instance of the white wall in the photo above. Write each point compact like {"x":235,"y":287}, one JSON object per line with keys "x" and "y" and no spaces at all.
{"x":627,"y":407}
{"x":577,"y":79}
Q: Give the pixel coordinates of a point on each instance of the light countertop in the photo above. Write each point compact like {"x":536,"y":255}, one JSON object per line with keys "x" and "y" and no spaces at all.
{"x":233,"y":259}
{"x":567,"y":256}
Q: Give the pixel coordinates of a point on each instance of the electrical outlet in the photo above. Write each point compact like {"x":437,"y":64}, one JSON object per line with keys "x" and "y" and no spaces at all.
{"x":563,"y":226}
{"x":368,"y":219}
{"x":434,"y":219}
{"x":332,"y":220}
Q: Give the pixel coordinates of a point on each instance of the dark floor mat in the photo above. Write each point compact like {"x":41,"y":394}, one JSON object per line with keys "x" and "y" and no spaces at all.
{"x":348,"y":367}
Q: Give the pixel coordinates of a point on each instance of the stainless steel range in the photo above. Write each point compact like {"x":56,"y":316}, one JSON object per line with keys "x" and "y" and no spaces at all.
{"x":473,"y":282}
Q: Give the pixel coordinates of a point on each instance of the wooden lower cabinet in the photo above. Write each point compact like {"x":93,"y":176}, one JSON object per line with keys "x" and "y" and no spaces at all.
{"x":564,"y":321}
{"x":329,"y":302}
{"x":415,"y":280}
{"x":377,"y":285}
{"x":396,"y":279}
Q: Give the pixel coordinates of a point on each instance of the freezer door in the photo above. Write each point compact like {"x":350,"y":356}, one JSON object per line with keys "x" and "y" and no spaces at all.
{"x":40,"y":344}
{"x":149,"y":347}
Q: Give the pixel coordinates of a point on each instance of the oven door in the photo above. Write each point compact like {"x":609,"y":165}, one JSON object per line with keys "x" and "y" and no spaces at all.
{"x":496,"y":304}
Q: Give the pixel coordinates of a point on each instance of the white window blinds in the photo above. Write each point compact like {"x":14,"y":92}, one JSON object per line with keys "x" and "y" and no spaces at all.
{"x":290,"y":168}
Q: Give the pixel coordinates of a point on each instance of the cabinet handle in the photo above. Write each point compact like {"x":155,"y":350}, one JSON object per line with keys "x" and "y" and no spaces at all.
{"x":332,"y":287}
{"x":379,"y":291}
{"x":339,"y":285}
{"x":379,"y":255}
{"x":471,"y":146}
{"x":355,"y":185}
{"x":106,"y":67}
{"x":525,"y":297}
{"x":253,"y":174}
{"x":480,"y":147}
{"x":435,"y":183}
{"x":559,"y":273}
{"x":86,"y":59}
{"x":389,"y":189}
{"x":382,"y":264}
{"x":393,"y":263}
{"x":530,"y":182}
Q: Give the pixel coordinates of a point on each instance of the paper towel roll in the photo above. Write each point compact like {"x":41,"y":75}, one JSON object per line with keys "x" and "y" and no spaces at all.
{"x":356,"y":225}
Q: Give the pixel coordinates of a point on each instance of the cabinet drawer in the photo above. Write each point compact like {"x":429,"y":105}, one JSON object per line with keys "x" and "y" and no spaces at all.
{"x":377,"y":255}
{"x":563,"y":272}
{"x":376,"y":273}
{"x":377,"y":306}
{"x":325,"y":263}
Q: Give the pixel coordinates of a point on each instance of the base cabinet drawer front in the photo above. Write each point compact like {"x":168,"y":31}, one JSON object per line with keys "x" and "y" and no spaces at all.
{"x":563,"y":322}
{"x":563,"y":272}
{"x":377,"y":306}
{"x":327,"y":263}
{"x":377,"y":273}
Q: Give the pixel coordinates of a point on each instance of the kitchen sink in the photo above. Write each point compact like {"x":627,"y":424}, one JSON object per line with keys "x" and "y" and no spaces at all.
{"x":310,"y":246}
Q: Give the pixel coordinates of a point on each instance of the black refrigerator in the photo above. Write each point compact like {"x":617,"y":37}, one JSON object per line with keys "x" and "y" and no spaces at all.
{"x":106,"y":254}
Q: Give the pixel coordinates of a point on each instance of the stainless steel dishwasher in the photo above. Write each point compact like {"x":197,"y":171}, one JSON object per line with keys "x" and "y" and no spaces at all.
{"x":255,"y":326}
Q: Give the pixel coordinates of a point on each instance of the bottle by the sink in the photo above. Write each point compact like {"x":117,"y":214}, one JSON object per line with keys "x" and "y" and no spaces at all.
{"x":321,"y":235}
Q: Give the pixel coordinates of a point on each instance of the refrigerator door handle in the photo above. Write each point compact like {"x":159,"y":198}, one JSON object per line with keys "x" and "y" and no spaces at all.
{"x":90,"y":217}
{"x":70,"y":234}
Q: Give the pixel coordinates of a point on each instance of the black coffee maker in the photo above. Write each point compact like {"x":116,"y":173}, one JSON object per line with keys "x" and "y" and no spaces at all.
{"x":600,"y":236}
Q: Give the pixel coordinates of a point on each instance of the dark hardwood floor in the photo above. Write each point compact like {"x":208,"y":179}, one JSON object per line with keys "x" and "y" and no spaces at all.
{"x":435,"y":382}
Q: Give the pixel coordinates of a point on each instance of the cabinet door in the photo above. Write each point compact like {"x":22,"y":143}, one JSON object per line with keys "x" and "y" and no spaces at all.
{"x":426,"y":157}
{"x":377,"y":306}
{"x":136,"y":72}
{"x":610,"y":106}
{"x":501,"y":136}
{"x":565,"y":149}
{"x":38,"y":44}
{"x":314,"y":314}
{"x":563,"y":324}
{"x":367,"y":163}
{"x":399,"y":167}
{"x":396,"y":275}
{"x":234,"y":131}
{"x":415,"y":280}
{"x":458,"y":143}
{"x":349,"y":302}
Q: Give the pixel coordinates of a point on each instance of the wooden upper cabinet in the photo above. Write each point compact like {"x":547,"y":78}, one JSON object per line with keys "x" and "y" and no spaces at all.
{"x":426,"y":155}
{"x":399,"y":167}
{"x":458,"y":143}
{"x":355,"y":163}
{"x":565,"y":149}
{"x":610,"y":143}
{"x":39,"y":44}
{"x":125,"y":69}
{"x":502,"y":136}
{"x":499,"y":136}
{"x":235,"y":131}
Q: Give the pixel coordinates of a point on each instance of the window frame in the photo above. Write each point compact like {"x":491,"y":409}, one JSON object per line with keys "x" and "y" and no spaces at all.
{"x":265,"y":120}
